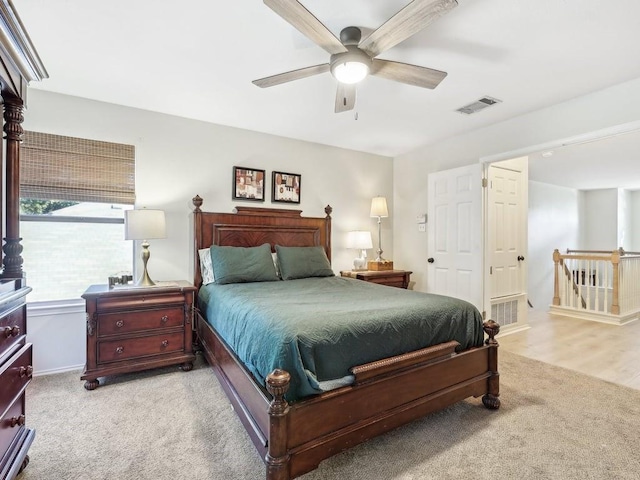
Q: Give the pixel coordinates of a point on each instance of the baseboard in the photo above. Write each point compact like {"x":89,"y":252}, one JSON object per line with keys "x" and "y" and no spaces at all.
{"x":53,"y":371}
{"x":594,"y":316}
{"x":513,"y":328}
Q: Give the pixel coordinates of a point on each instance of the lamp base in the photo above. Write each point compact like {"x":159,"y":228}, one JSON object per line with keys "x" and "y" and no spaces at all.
{"x":359,"y":264}
{"x":145,"y":280}
{"x":380,"y":265}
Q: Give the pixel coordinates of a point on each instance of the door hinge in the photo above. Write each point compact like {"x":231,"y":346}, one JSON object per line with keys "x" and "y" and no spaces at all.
{"x":490,"y":270}
{"x":484,"y":315}
{"x":484,"y":183}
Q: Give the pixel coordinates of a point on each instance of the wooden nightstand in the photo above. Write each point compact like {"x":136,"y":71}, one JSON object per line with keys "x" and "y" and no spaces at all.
{"x":391,"y":278}
{"x":137,"y":328}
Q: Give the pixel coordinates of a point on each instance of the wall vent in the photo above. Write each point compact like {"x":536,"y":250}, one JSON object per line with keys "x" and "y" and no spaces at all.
{"x":481,"y":104}
{"x":505,"y":313}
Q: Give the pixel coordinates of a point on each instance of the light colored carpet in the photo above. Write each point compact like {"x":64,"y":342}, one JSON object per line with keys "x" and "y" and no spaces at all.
{"x":168,"y":424}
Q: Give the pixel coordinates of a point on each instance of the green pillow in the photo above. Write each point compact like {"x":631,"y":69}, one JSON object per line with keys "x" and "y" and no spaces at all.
{"x":302,"y":262}
{"x":240,"y":264}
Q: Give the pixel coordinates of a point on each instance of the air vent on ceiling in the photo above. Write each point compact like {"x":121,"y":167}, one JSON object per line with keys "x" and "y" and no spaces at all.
{"x":481,"y":104}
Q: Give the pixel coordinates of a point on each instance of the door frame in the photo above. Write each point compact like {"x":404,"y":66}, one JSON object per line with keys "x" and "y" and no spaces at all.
{"x":591,"y":136}
{"x":520,"y":163}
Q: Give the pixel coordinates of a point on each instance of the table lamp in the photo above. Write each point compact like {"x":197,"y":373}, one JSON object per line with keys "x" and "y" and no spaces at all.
{"x":144,"y":224}
{"x":379,"y":210}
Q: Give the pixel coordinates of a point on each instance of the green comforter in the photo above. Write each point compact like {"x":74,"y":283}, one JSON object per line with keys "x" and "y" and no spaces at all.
{"x":318,"y":328}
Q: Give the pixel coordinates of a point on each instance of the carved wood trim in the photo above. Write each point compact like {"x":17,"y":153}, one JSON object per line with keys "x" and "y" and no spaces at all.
{"x":92,"y":322}
{"x":12,"y":249}
{"x":268,"y":212}
{"x":368,"y":371}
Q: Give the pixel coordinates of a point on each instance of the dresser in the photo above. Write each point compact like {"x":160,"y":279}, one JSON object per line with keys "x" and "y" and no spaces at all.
{"x":137,"y":328}
{"x":390,"y":278}
{"x":16,"y":369}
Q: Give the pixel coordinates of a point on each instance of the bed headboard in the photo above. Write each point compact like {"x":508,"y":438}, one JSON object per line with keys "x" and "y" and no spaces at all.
{"x":250,"y":227}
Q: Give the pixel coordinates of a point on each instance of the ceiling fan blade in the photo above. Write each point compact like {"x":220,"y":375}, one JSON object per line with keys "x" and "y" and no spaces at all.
{"x":406,"y":73}
{"x":290,"y":76}
{"x":345,"y":97}
{"x":408,"y":21}
{"x":302,"y":19}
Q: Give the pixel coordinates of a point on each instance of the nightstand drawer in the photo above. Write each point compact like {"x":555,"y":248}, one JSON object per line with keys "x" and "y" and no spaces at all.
{"x":389,"y":281}
{"x":142,"y":320}
{"x":123,"y":349}
{"x":11,"y":423}
{"x":148,"y":299}
{"x":12,"y":327}
{"x":15,"y":374}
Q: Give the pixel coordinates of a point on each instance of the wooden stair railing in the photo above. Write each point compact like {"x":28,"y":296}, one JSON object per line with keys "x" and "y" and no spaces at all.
{"x":572,"y":279}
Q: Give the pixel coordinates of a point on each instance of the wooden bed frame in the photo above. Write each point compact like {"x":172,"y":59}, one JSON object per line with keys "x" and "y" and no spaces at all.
{"x":294,"y":438}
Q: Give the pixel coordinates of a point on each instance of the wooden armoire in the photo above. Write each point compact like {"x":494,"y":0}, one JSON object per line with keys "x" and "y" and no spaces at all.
{"x":19,"y":65}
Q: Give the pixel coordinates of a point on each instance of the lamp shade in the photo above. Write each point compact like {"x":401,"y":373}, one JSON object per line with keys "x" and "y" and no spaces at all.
{"x":360,"y":240}
{"x":144,"y":224}
{"x":379,"y":207}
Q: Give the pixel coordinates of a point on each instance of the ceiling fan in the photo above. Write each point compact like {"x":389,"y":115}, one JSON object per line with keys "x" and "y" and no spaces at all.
{"x":353,"y":58}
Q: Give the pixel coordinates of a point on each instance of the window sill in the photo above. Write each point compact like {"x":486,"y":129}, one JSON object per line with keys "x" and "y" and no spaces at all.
{"x":57,"y":307}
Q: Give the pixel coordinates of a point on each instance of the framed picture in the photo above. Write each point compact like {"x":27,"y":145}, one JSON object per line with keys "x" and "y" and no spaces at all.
{"x":248,"y":184}
{"x":286,"y":187}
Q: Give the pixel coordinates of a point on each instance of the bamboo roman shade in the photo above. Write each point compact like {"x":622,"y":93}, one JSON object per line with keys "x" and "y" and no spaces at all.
{"x":55,"y":167}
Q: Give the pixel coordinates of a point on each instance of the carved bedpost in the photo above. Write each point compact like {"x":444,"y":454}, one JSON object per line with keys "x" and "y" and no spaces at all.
{"x":491,"y":400}
{"x":197,"y":239}
{"x":13,"y":118}
{"x":328,"y":209}
{"x":277,"y":458}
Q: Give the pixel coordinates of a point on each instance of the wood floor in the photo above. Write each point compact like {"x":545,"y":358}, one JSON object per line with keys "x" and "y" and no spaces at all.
{"x":609,"y":352}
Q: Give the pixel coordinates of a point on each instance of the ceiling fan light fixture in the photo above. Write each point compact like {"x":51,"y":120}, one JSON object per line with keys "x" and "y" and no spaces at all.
{"x":350,"y":72}
{"x":350,"y":67}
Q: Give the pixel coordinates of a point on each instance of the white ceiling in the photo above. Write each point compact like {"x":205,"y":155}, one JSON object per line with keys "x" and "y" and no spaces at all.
{"x":197,"y":59}
{"x":610,"y":162}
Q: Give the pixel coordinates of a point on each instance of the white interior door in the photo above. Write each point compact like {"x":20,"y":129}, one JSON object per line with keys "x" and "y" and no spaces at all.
{"x":507,"y":231}
{"x":506,"y":243}
{"x":454,"y":225}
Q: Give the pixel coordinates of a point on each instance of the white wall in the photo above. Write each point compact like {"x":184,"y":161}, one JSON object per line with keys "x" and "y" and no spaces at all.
{"x":625,"y":219}
{"x":635,"y":225}
{"x":554,"y":222}
{"x":613,"y":106}
{"x":177,"y":158}
{"x":601,"y":219}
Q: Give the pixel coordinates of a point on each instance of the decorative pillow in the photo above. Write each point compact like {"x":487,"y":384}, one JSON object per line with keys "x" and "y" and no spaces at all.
{"x":240,"y":264}
{"x":303,"y":262}
{"x":206,"y":269}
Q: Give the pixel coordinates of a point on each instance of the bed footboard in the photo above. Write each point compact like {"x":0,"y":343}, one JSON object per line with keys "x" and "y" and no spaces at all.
{"x":387,"y":394}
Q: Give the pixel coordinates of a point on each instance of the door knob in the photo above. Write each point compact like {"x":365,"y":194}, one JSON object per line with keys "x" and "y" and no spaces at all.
{"x":520,"y":258}
{"x":430,"y":260}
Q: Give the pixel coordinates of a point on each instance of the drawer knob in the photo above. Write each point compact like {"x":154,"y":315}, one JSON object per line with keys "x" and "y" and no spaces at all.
{"x":12,"y":331}
{"x":119,"y":350}
{"x":26,"y":371}
{"x":17,"y":421}
{"x":120,"y":323}
{"x":164,"y":319}
{"x":165,"y":343}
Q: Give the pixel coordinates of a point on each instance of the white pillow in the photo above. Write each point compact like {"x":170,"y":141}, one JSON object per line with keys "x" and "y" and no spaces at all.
{"x":274,"y":256}
{"x":206,"y":268}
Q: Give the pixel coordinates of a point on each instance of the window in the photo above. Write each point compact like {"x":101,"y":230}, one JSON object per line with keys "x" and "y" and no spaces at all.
{"x":73,"y":196}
